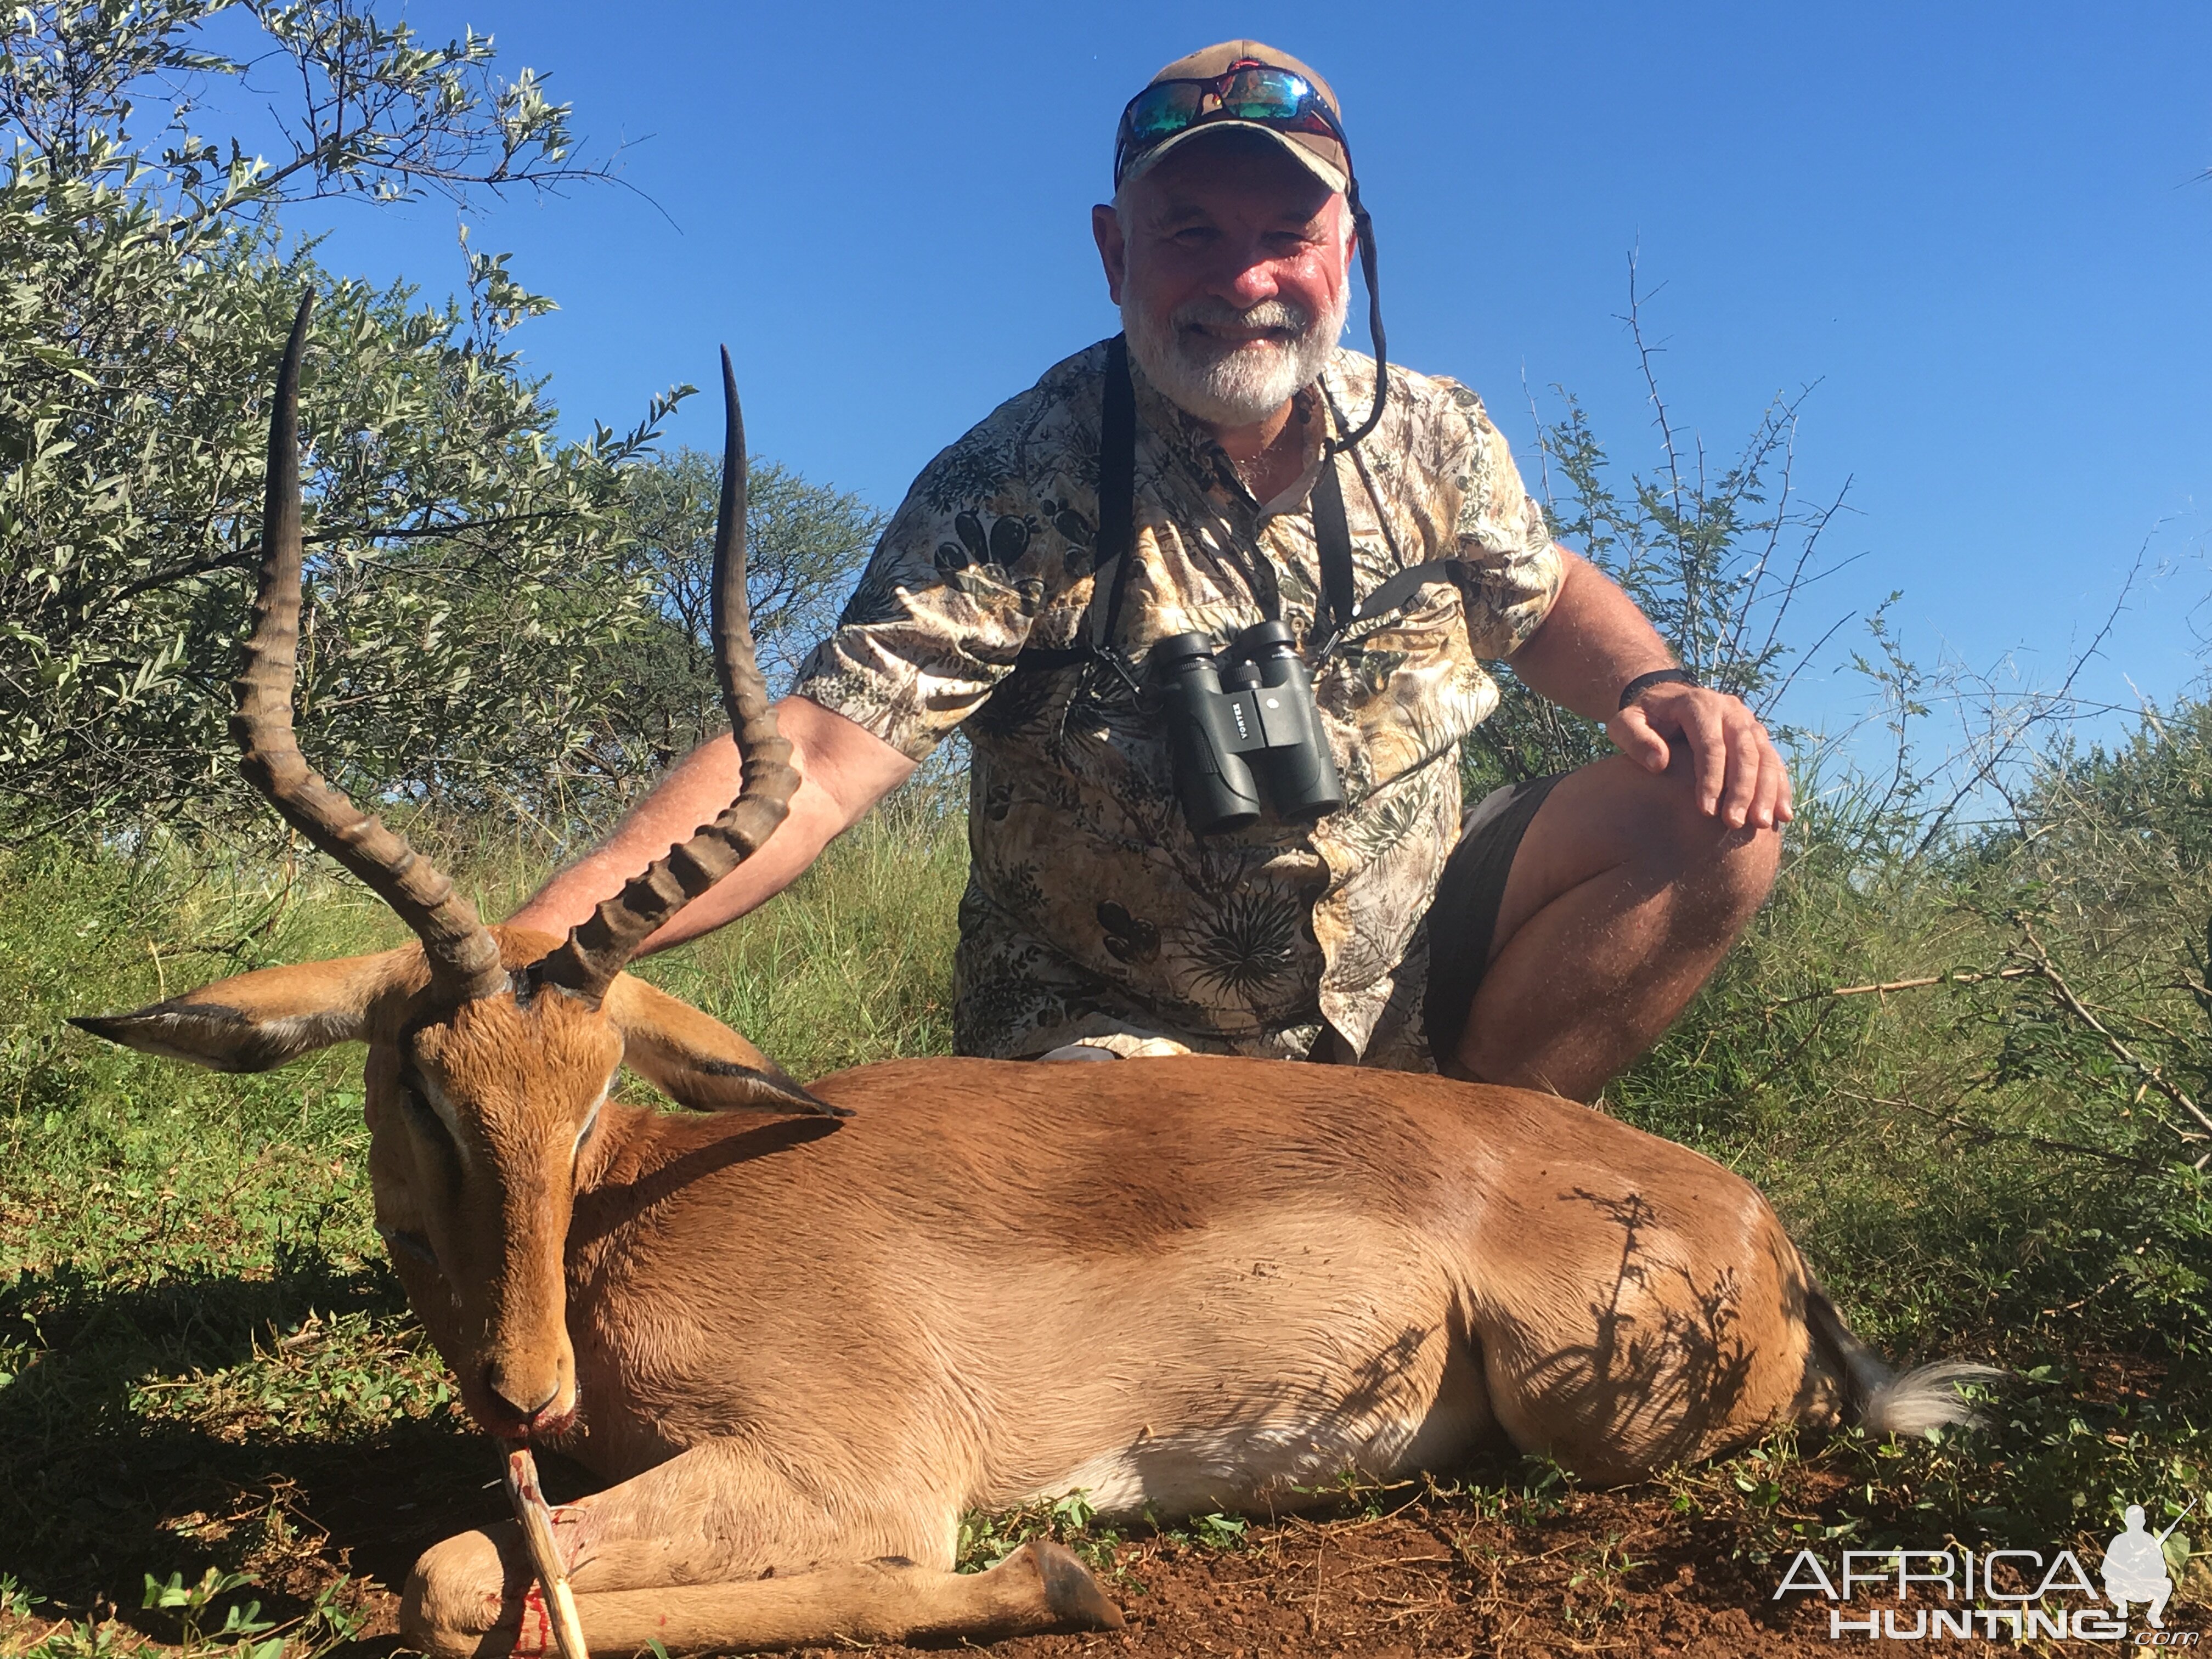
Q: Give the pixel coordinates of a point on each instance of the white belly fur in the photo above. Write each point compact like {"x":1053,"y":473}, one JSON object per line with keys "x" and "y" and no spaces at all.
{"x":1286,"y":1382}
{"x":1266,"y":1464}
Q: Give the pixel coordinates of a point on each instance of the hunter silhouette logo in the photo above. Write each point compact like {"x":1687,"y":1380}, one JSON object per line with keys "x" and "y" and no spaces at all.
{"x":1997,"y":1594}
{"x":2135,"y":1566}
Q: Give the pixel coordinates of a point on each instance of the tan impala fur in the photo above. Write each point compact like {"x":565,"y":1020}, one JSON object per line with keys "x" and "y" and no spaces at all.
{"x":798,"y":1341}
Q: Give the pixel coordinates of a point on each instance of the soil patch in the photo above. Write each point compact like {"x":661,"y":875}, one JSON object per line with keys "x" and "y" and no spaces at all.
{"x":1419,"y":1572}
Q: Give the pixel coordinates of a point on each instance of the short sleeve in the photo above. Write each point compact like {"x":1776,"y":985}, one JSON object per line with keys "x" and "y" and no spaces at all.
{"x":945,"y":603}
{"x":1515,"y":570}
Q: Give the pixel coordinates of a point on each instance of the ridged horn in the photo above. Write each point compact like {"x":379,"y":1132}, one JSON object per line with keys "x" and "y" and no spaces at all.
{"x":597,"y":948}
{"x":464,"y":956}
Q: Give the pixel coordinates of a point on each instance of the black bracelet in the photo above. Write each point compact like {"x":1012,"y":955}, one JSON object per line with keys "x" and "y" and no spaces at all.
{"x":1643,"y":683}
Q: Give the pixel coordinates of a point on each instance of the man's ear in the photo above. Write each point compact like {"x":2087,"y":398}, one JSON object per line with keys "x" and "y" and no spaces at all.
{"x":259,"y":1021}
{"x":1112,"y":247}
{"x":695,"y":1059}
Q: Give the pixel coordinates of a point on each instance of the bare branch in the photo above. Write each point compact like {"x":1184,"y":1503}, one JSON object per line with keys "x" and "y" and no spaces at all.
{"x":1957,"y":976}
{"x":2000,"y":745}
{"x":2040,"y":962}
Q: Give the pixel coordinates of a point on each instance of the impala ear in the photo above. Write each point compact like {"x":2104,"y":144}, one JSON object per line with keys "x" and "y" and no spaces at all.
{"x":695,"y":1059}
{"x":259,"y":1021}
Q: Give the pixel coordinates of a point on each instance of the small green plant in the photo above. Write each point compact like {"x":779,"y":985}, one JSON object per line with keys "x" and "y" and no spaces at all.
{"x":1761,"y":1497}
{"x":192,"y":1603}
{"x":15,"y":1602}
{"x":988,"y":1539}
{"x":89,"y":1639}
{"x":1597,"y":1592}
{"x":1537,"y":1492}
{"x":1219,"y":1531}
{"x":329,"y":1624}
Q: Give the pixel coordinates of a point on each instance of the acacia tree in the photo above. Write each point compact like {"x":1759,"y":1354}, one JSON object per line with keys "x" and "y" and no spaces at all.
{"x":805,"y":544}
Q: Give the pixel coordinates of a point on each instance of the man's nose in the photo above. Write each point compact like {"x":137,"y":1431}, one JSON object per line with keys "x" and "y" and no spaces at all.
{"x":1245,"y":280}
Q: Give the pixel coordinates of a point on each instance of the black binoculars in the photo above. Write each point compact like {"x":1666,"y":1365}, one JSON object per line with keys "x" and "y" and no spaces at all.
{"x":1251,"y":709}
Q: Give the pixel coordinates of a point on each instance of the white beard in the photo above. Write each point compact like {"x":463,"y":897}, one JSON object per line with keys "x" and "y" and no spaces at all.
{"x":1233,"y":386}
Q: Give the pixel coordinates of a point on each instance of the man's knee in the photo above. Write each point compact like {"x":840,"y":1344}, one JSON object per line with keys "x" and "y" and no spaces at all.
{"x":1729,"y":870}
{"x":1745,"y":861}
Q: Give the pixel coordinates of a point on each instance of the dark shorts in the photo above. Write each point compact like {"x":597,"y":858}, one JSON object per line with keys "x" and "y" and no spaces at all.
{"x":1463,"y":915}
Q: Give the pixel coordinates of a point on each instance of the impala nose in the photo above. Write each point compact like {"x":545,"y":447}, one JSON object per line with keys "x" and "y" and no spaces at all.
{"x":508,"y":1392}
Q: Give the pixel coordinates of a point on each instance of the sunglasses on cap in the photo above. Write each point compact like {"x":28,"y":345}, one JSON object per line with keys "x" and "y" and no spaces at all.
{"x":1250,"y":91}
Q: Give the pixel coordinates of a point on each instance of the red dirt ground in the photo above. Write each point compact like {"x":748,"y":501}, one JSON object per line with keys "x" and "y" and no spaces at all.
{"x":1602,"y":1572}
{"x":1647,"y":1571}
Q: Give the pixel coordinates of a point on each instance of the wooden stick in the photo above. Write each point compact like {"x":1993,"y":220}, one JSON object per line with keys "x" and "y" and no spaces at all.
{"x":536,"y":1518}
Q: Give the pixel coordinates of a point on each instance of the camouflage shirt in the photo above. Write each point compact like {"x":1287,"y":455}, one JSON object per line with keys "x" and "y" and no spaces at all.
{"x":1091,"y":910}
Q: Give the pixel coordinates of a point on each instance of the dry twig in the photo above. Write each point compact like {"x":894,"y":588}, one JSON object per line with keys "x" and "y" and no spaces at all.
{"x":1955,"y":976}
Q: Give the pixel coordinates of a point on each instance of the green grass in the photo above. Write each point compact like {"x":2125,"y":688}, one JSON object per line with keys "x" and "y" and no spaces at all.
{"x":200,"y":1345}
{"x":854,"y":964}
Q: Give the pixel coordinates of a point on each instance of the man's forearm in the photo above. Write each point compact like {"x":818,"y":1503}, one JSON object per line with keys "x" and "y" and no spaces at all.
{"x":1594,"y":642}
{"x":693,"y":794}
{"x":843,"y":771}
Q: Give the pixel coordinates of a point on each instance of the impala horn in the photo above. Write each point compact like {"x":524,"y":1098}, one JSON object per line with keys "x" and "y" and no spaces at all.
{"x":597,"y":948}
{"x":464,"y":958}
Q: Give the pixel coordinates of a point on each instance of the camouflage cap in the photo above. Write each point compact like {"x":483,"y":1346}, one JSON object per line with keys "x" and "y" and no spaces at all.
{"x":1320,"y":153}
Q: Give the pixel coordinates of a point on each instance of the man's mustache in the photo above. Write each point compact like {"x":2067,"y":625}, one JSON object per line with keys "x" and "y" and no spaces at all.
{"x":1274,"y":316}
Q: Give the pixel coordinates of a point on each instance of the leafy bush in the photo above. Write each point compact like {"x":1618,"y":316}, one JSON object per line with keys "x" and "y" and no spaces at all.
{"x":1975,"y":1075}
{"x":495,"y":619}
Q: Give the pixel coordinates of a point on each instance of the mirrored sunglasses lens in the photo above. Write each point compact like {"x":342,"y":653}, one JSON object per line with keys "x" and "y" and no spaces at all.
{"x":1265,"y":94}
{"x":1162,"y":110}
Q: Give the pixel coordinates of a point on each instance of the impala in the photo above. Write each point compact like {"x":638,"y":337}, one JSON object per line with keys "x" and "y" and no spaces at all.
{"x":798,"y":1330}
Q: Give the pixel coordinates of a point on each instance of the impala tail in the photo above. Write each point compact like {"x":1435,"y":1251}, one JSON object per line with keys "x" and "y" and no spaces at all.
{"x":1882,"y":1399}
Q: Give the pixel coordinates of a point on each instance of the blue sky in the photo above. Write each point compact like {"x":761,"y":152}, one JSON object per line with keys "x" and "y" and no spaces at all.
{"x":1980,"y":229}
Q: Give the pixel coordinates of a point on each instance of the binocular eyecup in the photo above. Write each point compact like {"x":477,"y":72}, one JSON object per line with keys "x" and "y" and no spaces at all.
{"x":1240,"y":719}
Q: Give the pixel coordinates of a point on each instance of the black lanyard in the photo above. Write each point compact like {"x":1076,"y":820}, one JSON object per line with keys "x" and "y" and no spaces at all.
{"x":1333,"y":541}
{"x":1116,"y":541}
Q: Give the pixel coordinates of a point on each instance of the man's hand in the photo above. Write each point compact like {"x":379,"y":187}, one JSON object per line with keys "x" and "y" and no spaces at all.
{"x":1734,"y":769}
{"x":1595,"y":642}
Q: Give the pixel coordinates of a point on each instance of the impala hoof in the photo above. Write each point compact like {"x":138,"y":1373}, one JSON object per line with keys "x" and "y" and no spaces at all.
{"x":1070,"y":1590}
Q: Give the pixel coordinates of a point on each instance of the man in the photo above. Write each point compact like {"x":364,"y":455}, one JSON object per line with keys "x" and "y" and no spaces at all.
{"x":1549,"y":944}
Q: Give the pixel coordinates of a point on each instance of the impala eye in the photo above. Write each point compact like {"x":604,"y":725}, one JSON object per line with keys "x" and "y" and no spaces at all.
{"x":408,"y":1244}
{"x":423,"y":1119}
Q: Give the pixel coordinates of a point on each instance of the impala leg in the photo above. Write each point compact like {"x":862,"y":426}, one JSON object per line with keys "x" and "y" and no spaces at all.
{"x":713,"y":1551}
{"x":1641,"y":1336}
{"x":1039,"y":1589}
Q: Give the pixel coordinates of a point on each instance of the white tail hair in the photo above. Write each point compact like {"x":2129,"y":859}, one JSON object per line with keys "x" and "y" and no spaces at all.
{"x":1880,"y":1399}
